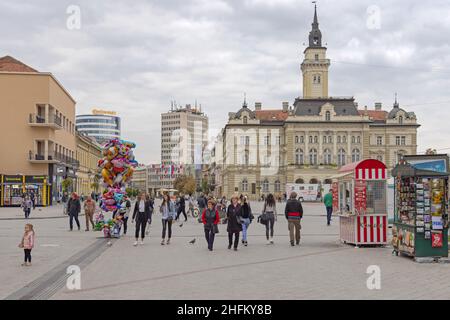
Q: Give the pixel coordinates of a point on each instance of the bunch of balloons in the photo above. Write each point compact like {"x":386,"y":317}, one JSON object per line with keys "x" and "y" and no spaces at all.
{"x":117,"y":168}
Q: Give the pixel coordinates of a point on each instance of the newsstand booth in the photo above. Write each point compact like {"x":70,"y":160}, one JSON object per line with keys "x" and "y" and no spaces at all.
{"x":420,"y":227}
{"x":360,"y":201}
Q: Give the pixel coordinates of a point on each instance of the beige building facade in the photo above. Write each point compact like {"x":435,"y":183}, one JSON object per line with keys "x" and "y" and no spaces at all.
{"x":308,"y":141}
{"x":38,"y":130}
{"x":88,"y":154}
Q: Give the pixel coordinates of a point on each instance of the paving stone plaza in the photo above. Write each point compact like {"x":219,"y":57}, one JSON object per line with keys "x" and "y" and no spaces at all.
{"x":320,"y":268}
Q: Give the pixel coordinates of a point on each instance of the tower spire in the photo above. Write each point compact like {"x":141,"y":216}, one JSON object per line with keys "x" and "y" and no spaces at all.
{"x":315,"y":36}
{"x":396,"y":105}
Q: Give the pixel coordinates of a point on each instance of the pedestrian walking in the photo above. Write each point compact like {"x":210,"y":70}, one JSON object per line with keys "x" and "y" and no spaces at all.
{"x":27,"y":243}
{"x":141,"y":214}
{"x":181,"y":208}
{"x":168,"y":214}
{"x":201,"y":203}
{"x":270,"y":209}
{"x":328,"y":201}
{"x":26,"y":206}
{"x":65,"y":201}
{"x":89,"y":210}
{"x":73,"y":209}
{"x":234,"y":223}
{"x":246,"y":219}
{"x":294,"y":214}
{"x":151,"y":203}
{"x":127,"y":203}
{"x":210,"y":219}
{"x":33,"y":199}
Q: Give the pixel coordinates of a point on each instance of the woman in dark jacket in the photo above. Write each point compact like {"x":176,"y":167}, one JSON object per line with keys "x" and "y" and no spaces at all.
{"x":73,"y":209}
{"x":141,"y":214}
{"x":247,"y":217}
{"x":234,"y":227}
{"x":210,"y":219}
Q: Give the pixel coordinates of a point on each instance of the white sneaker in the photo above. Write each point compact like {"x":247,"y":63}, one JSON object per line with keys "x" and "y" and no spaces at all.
{"x":135,"y":243}
{"x":141,"y":242}
{"x":268,"y":242}
{"x":271,"y":240}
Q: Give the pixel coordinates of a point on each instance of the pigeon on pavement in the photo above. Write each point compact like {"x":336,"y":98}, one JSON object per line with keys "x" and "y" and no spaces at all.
{"x":192,"y":241}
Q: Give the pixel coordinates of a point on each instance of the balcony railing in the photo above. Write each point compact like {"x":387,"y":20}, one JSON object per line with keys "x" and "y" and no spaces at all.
{"x":53,"y":120}
{"x":66,"y":159}
{"x":40,"y":157}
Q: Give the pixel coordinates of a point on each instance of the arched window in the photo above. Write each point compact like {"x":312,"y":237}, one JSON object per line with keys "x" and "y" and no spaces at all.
{"x":265,"y":186}
{"x":302,"y":139}
{"x":400,"y":119}
{"x":277,"y":186}
{"x":341,"y":157}
{"x":356,"y":156}
{"x":344,"y":139}
{"x":299,"y":156}
{"x":327,"y":156}
{"x":313,"y":156}
{"x":244,"y":185}
{"x":353,"y":139}
{"x":330,"y":139}
{"x":313,"y":181}
{"x":299,"y":181}
{"x":245,"y":119}
{"x":327,"y":116}
{"x":296,"y":139}
{"x":327,"y":181}
{"x":338,"y":139}
{"x":358,"y":139}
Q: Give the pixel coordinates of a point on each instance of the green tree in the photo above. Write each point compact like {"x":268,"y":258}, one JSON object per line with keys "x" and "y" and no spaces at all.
{"x":67,"y":184}
{"x":185,"y":184}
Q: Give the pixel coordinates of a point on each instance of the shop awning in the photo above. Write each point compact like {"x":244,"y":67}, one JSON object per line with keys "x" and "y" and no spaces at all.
{"x":341,"y":175}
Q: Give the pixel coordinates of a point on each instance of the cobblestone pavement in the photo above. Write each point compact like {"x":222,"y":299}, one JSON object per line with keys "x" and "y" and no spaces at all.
{"x":320,"y":268}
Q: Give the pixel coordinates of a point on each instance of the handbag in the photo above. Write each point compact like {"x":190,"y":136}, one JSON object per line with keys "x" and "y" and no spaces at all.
{"x":239,"y":219}
{"x":215,"y":228}
{"x":263,"y":218}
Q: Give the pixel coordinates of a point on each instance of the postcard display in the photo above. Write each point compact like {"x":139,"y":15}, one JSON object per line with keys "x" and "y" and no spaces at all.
{"x":360,"y":200}
{"x":421,"y":219}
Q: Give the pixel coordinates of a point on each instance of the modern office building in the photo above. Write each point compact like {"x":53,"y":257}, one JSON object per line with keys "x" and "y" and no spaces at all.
{"x":184,"y":137}
{"x":101,"y":125}
{"x":37,"y":127}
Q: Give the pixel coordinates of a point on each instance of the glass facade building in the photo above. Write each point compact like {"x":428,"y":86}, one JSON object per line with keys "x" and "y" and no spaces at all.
{"x":101,"y":127}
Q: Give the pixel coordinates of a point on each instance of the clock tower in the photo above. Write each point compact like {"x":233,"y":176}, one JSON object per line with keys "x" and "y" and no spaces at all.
{"x":315,"y":64}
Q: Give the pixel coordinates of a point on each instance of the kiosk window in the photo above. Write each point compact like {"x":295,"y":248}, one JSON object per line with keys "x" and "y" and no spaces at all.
{"x":376,"y":197}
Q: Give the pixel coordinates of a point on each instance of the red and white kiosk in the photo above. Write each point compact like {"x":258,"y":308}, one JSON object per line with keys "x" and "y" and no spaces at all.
{"x":360,"y":201}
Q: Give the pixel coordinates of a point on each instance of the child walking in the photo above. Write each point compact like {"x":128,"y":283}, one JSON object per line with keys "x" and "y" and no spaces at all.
{"x":27,"y":243}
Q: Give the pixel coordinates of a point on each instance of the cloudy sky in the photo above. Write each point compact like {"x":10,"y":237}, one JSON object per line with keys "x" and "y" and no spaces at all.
{"x":134,"y":57}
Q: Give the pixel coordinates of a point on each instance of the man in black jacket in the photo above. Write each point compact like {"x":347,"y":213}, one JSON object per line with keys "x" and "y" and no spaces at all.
{"x":73,"y":209}
{"x":182,"y":208}
{"x":294,"y":214}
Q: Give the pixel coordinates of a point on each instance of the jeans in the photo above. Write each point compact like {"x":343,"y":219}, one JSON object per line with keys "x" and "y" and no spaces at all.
{"x":294,"y":230}
{"x":71,"y":217}
{"x":167,"y":224}
{"x":269,"y":224}
{"x":245,"y":225}
{"x":182,"y":210}
{"x":125,"y":225}
{"x":141,"y":223}
{"x":27,"y":255}
{"x":89,"y":218}
{"x":209,"y":235}
{"x":329,"y":212}
{"x":27,"y":212}
{"x":236,"y":239}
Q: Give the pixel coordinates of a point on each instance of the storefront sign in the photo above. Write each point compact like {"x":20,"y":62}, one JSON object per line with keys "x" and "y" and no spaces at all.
{"x":35,"y":179}
{"x":360,"y":196}
{"x":12,"y":179}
